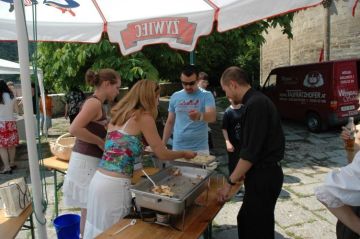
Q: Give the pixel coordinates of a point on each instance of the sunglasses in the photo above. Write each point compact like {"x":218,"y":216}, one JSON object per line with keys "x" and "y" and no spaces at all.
{"x":191,"y":83}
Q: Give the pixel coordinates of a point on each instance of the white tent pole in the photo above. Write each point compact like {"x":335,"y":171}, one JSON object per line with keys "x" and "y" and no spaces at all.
{"x":22,"y":41}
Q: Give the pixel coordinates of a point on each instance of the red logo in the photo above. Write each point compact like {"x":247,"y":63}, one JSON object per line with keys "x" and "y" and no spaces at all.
{"x":169,"y":27}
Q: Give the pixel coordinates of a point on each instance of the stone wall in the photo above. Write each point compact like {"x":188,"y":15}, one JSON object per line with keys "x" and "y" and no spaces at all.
{"x":308,"y":37}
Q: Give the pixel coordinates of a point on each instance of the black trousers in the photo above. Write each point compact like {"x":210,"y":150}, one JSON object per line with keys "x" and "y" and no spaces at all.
{"x":256,"y":219}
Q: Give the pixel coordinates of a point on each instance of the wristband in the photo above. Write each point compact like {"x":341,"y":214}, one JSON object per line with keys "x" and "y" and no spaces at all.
{"x":229,"y":182}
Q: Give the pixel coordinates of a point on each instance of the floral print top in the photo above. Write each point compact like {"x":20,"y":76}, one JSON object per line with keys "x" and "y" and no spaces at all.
{"x":121,"y":150}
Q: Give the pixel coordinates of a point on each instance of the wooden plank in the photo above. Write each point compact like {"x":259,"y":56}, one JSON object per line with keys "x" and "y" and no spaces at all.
{"x":10,"y":226}
{"x":197,"y":219}
{"x":55,"y":163}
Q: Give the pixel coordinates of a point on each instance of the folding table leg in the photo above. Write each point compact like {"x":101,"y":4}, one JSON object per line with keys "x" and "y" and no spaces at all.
{"x":56,"y":195}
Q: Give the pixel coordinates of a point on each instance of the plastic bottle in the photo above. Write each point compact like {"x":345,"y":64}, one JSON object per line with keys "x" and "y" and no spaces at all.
{"x":349,"y":144}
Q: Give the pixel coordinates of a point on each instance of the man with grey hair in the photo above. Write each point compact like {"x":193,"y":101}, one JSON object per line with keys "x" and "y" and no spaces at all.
{"x":262,"y":147}
{"x":203,"y":80}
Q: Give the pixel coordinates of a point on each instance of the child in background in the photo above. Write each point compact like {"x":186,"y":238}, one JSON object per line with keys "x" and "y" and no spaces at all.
{"x":48,"y":108}
{"x":231,"y":130}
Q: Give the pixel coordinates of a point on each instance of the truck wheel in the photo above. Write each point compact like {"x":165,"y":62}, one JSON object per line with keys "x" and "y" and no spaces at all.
{"x":313,"y":122}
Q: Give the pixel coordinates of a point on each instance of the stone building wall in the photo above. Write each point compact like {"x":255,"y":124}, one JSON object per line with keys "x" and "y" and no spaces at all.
{"x":308,"y":37}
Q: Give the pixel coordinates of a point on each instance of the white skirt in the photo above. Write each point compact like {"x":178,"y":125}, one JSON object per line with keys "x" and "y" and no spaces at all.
{"x":109,"y":201}
{"x":79,"y":174}
{"x":341,"y":186}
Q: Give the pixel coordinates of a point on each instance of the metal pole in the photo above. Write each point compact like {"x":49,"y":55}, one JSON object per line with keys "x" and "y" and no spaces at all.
{"x":192,"y":58}
{"x":23,"y":50}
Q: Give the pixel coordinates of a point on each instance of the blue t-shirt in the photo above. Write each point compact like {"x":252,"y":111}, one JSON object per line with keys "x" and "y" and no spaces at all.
{"x":189,"y":134}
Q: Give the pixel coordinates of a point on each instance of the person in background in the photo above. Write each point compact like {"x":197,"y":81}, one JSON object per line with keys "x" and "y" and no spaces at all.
{"x":231,"y":129}
{"x":33,"y":97}
{"x":89,"y":128}
{"x":190,"y":111}
{"x":48,"y":117}
{"x":203,"y":80}
{"x":203,"y":84}
{"x":73,"y":101}
{"x":340,"y":192}
{"x":9,"y":137}
{"x":132,"y":123}
{"x":262,"y":147}
{"x":11,"y":86}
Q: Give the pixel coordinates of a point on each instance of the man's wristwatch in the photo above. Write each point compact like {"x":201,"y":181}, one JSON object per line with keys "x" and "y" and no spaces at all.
{"x":229,"y":182}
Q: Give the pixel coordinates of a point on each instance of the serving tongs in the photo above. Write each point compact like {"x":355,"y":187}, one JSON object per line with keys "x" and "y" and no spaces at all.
{"x":152,"y":181}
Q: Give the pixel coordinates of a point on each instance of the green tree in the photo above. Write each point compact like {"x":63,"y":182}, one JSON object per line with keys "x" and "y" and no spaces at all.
{"x":65,"y":64}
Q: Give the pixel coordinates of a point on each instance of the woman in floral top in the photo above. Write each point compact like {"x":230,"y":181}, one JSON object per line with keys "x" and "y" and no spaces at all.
{"x":74,"y":100}
{"x":132,"y":121}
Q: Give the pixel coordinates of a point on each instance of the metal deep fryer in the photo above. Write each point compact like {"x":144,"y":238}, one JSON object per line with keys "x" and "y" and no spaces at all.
{"x":186,"y":188}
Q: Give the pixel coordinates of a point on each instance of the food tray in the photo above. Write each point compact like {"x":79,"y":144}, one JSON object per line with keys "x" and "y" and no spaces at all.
{"x":200,"y":160}
{"x":186,"y":187}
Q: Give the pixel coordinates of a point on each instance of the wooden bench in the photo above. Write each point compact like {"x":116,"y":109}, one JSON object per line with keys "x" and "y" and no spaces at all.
{"x":10,"y":226}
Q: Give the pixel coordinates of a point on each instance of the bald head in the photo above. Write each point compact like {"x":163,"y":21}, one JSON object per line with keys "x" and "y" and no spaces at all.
{"x":236,"y":74}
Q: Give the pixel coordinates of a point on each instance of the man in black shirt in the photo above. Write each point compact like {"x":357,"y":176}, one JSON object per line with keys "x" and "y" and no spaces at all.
{"x":262,"y":148}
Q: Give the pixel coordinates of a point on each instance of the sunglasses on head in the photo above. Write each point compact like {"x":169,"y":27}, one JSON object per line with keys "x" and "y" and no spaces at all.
{"x":191,"y":83}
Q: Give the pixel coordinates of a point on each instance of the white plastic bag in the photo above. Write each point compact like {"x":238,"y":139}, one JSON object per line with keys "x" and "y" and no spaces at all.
{"x":15,"y":196}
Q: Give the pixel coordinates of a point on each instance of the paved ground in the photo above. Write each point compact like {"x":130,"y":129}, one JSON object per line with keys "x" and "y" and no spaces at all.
{"x":298,"y":214}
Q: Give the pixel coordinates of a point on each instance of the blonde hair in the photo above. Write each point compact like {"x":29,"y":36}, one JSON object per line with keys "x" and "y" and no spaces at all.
{"x":140,"y":99}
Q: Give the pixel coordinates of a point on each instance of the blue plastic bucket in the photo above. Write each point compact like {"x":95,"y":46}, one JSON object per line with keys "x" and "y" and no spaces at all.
{"x":67,"y":226}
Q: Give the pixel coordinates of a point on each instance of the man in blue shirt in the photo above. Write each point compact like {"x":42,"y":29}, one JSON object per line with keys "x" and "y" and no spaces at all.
{"x":190,"y":111}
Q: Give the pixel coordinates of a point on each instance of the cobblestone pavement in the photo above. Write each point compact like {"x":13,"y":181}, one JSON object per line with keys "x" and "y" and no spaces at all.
{"x":299,"y":215}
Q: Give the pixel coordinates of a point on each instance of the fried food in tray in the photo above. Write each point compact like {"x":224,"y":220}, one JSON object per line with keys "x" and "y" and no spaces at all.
{"x":199,"y":159}
{"x":162,"y":190}
{"x":176,"y":172}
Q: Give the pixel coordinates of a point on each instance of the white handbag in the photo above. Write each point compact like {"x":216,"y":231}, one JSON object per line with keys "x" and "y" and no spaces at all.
{"x":15,"y":196}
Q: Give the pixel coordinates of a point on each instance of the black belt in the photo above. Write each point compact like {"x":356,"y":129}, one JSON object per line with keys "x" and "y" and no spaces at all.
{"x":267,"y":164}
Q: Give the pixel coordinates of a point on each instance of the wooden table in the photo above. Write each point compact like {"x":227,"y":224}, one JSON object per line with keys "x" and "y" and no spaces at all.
{"x":198,"y":220}
{"x":56,"y":165}
{"x":10,"y":226}
{"x":61,"y":166}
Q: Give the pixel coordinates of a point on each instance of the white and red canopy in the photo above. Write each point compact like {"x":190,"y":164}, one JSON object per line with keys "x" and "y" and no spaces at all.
{"x":133,"y":24}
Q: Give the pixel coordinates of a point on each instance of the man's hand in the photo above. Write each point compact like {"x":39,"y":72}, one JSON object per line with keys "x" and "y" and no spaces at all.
{"x":229,"y":146}
{"x":189,"y":154}
{"x":194,"y":115}
{"x":223,"y":193}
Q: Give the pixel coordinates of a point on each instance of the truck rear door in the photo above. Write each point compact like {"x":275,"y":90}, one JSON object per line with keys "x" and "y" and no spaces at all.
{"x":346,"y":88}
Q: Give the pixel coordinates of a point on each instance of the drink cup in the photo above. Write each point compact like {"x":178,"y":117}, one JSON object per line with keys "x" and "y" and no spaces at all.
{"x":349,"y":144}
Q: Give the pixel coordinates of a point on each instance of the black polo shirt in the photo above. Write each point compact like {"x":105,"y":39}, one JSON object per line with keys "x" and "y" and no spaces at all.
{"x":263,"y":139}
